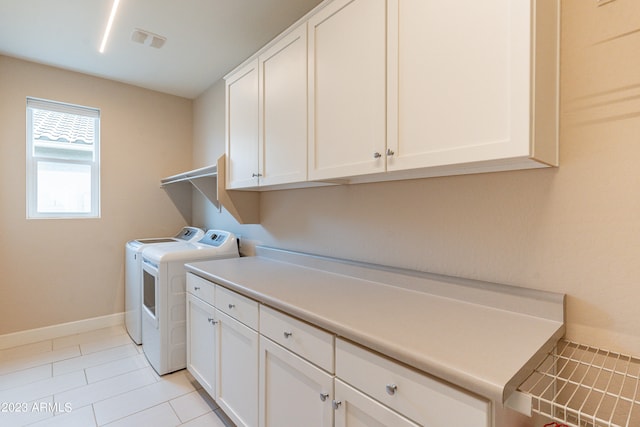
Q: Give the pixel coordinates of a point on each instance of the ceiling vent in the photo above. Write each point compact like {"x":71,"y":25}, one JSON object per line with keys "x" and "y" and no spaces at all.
{"x":147,"y":38}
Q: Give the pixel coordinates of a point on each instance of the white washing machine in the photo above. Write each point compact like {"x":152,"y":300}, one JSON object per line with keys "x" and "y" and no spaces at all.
{"x":164,"y":300}
{"x":133,"y":275}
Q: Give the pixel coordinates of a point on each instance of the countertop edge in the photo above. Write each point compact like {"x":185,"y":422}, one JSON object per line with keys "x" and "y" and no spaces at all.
{"x":495,"y":392}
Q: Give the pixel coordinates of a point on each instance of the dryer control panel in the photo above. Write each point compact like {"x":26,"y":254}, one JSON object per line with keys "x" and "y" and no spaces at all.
{"x":214,"y":237}
{"x":188,"y":233}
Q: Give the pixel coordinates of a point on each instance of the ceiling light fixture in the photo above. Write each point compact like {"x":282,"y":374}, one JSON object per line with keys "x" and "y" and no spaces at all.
{"x":107,"y":30}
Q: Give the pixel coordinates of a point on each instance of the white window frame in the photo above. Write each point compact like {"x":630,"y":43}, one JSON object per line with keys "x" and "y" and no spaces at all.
{"x":32,"y":160}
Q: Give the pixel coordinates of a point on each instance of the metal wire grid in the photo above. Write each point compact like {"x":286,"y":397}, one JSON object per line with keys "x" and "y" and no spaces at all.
{"x":584,"y":386}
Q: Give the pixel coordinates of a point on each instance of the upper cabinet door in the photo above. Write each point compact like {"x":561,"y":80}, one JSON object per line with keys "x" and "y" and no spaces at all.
{"x":461,"y":82}
{"x":242,"y":101}
{"x":283,"y":115}
{"x":347,"y":89}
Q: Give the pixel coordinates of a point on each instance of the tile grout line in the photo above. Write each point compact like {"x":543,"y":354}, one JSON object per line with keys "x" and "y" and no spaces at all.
{"x":142,"y":410}
{"x":93,"y":353}
{"x":41,"y":364}
{"x":93,"y":411}
{"x":54,"y":396}
{"x":175,"y":412}
{"x":115,"y":395}
{"x":77,"y":349}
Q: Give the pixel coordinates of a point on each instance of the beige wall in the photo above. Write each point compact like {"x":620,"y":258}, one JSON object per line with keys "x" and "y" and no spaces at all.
{"x":574,"y":230}
{"x":56,"y":271}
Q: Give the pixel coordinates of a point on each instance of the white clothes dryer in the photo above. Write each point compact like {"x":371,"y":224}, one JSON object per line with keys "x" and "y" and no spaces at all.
{"x":164,"y":300}
{"x":133,"y":275}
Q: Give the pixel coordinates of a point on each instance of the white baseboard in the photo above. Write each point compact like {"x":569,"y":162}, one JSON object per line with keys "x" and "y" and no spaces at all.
{"x":55,"y":331}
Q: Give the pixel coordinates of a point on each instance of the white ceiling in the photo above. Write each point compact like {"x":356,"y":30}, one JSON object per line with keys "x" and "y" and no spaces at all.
{"x":205,"y":38}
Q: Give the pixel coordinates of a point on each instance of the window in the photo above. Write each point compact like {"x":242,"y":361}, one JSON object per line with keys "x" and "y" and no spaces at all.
{"x":63,"y":160}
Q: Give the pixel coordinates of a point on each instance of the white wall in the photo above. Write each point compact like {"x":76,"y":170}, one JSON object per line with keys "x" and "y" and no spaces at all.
{"x":57,"y":271}
{"x":574,"y":230}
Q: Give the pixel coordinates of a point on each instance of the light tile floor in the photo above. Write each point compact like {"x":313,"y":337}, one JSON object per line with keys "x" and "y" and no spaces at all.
{"x":97,"y":378}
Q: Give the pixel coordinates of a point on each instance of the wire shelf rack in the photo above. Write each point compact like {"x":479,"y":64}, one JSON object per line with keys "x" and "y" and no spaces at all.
{"x":584,"y":386}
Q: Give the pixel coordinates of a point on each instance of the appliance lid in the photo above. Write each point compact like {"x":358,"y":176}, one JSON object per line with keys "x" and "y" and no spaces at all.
{"x":215,"y":243}
{"x":156,"y":240}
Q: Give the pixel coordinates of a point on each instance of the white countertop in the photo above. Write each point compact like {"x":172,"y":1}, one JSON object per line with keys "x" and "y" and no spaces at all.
{"x":483,"y":337}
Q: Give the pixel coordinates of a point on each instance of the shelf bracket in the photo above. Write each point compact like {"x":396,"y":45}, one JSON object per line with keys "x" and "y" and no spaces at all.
{"x":244,"y":206}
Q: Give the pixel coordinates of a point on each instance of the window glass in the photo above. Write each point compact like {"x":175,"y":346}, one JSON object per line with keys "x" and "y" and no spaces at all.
{"x":63,"y":188}
{"x":62,"y":160}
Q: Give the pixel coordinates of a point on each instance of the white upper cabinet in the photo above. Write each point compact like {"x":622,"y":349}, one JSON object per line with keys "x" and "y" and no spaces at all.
{"x":347,"y":89}
{"x":267,"y":116}
{"x":466,"y":87}
{"x":283,"y":110}
{"x":398,"y":89}
{"x":242,"y":106}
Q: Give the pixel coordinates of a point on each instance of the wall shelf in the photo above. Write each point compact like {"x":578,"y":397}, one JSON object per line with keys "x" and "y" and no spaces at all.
{"x":203,"y":179}
{"x":584,"y":386}
{"x":178,"y":187}
{"x":244,"y":206}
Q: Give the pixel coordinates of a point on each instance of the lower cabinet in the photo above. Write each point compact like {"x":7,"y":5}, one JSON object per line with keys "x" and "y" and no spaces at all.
{"x":293,"y":392}
{"x":237,"y":379}
{"x":201,"y":342}
{"x":354,"y":409}
{"x":265,"y":368}
{"x":222,"y":351}
{"x":419,"y":397}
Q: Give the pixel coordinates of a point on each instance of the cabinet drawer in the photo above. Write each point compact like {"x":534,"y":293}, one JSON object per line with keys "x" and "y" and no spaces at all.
{"x":203,"y":289}
{"x":310,"y":342}
{"x":418,"y":396}
{"x":353,"y":409}
{"x":237,"y":306}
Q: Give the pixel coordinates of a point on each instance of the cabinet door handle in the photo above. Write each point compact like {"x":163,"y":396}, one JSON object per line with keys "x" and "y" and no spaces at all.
{"x":391,"y":389}
{"x":212,"y":321}
{"x":288,"y":334}
{"x":336,"y":404}
{"x":256,"y":175}
{"x":390,"y":152}
{"x":324,"y":396}
{"x":231,"y":306}
{"x":196,"y":288}
{"x":377,"y":155}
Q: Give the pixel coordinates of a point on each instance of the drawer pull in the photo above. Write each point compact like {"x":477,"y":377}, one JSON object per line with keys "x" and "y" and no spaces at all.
{"x":324,"y":396}
{"x":336,"y":404}
{"x":288,"y":334}
{"x":391,"y":389}
{"x":196,"y":288}
{"x":231,"y":306}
